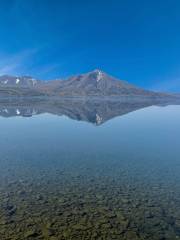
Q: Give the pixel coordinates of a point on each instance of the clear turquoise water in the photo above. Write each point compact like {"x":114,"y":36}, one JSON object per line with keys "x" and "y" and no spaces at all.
{"x":66,"y":179}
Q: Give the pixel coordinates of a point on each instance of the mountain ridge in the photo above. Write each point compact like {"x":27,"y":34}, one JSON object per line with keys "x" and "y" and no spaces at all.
{"x":94,"y":83}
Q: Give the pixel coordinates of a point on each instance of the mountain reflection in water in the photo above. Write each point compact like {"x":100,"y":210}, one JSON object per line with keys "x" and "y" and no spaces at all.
{"x":96,"y":111}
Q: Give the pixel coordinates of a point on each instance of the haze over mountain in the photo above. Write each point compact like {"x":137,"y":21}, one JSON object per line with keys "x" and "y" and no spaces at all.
{"x":95,"y":83}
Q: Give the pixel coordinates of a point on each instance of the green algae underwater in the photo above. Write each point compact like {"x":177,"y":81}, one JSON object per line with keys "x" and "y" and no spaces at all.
{"x":65,"y":179}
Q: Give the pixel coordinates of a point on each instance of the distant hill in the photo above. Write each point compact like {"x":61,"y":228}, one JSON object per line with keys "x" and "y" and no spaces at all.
{"x":24,"y":81}
{"x":95,"y":83}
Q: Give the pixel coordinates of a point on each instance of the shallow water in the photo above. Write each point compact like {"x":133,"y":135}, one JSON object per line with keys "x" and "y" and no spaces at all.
{"x":67,"y":179}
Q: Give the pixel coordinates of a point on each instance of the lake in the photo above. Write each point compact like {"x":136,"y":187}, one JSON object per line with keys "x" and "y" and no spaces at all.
{"x":90,"y":170}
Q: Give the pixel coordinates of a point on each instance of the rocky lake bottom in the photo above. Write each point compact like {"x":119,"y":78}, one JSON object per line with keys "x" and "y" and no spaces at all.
{"x":63,"y":179}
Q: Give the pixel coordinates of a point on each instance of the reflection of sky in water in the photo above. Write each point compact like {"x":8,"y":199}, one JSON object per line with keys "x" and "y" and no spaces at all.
{"x":148,"y":135}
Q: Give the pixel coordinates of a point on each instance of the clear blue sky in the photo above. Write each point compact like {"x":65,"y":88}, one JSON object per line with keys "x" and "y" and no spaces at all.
{"x":135,"y":40}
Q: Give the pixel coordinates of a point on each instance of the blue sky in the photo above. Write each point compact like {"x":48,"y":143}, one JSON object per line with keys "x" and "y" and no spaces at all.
{"x":138,"y":41}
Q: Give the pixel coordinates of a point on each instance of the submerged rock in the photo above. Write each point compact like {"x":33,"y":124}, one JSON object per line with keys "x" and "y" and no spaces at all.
{"x":31,"y":233}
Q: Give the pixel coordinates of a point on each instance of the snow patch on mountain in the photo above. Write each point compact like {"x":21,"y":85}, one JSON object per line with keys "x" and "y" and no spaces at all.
{"x":17,"y":80}
{"x":99,"y":75}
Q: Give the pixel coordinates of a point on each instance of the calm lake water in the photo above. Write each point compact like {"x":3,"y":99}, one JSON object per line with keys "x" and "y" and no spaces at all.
{"x":92,"y":179}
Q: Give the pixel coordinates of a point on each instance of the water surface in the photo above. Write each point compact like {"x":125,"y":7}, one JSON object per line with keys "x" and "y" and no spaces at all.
{"x":91,"y":179}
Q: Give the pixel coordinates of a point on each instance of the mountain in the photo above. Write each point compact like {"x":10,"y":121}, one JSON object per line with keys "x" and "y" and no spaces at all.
{"x":19,"y":86}
{"x":95,"y":83}
{"x":24,"y":81}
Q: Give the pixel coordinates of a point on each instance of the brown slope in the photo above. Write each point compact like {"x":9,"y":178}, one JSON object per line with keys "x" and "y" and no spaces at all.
{"x":98,"y":83}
